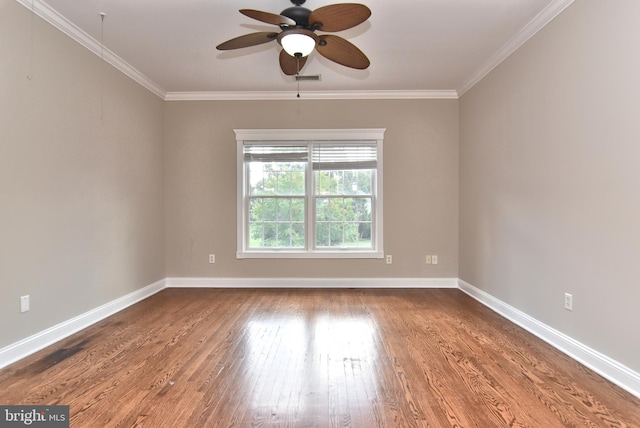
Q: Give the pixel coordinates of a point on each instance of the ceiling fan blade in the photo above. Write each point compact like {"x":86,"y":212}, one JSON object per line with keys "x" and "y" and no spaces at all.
{"x":338,"y":17}
{"x":247,"y":40}
{"x":269,"y":18}
{"x":342,"y":51}
{"x":289,"y":64}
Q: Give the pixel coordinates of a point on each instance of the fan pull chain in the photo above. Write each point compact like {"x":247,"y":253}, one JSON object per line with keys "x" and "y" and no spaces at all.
{"x":102,"y":15}
{"x":298,"y":73}
{"x":31,"y":41}
{"x":102,"y":69}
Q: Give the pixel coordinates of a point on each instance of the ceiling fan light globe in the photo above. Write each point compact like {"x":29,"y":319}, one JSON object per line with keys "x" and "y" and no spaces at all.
{"x":298,"y":42}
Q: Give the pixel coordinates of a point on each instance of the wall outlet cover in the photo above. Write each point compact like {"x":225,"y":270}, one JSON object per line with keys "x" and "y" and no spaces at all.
{"x":24,"y":304}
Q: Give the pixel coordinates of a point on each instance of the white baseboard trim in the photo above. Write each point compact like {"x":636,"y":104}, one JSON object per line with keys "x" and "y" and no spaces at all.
{"x":606,"y":367}
{"x":610,"y":369}
{"x":312,"y":282}
{"x":25,"y":347}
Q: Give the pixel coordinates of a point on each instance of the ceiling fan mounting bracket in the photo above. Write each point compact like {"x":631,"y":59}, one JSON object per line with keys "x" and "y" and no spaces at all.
{"x":298,"y":2}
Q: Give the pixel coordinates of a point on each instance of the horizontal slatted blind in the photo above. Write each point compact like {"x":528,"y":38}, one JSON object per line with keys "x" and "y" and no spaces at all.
{"x":276,"y":153}
{"x":338,"y":156}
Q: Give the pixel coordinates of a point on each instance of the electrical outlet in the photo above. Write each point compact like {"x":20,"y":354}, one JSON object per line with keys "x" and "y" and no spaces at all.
{"x":212,"y":258}
{"x":568,"y":301}
{"x":389,"y":259}
{"x":428,"y":260}
{"x":24,"y":304}
{"x":434,"y":259}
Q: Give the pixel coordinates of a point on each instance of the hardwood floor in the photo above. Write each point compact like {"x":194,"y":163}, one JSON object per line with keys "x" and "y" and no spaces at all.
{"x":314,"y":358}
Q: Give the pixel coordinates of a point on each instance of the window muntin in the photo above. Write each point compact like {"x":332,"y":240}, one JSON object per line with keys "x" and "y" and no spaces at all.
{"x":312,"y":198}
{"x":344,"y":174}
{"x":276,"y":179}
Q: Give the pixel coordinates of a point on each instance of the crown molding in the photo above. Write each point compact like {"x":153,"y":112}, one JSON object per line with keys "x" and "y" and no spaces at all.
{"x":61,"y":23}
{"x":54,"y":18}
{"x":311,"y":95}
{"x":67,"y":27}
{"x":547,"y":15}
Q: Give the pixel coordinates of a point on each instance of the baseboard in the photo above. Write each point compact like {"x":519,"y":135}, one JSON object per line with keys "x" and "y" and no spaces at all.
{"x":312,"y":282}
{"x":38,"y":341}
{"x":608,"y":368}
{"x":25,"y":347}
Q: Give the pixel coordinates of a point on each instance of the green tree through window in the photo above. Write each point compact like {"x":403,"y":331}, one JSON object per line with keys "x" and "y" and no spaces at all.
{"x":276,"y":205}
{"x":310,"y":197}
{"x":343,"y":208}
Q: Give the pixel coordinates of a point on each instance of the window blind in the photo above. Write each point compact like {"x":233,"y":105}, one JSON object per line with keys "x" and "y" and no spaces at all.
{"x":276,"y":153}
{"x":338,"y":156}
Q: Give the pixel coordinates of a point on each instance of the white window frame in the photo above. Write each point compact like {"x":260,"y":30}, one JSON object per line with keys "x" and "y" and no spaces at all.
{"x":307,"y":135}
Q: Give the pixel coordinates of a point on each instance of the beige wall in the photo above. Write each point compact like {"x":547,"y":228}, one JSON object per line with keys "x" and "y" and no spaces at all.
{"x":83,"y":171}
{"x":420,"y":185}
{"x":550,"y":177}
{"x":94,"y":206}
{"x":81,"y":192}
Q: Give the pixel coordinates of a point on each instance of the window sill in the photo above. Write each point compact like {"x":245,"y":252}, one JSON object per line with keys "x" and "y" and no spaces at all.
{"x":287,"y":254}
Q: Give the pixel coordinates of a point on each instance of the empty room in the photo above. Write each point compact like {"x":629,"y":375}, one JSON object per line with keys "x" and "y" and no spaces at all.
{"x":290,"y":213}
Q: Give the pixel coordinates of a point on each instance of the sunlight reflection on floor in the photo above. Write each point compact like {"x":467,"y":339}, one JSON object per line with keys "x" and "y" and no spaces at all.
{"x":323,"y":362}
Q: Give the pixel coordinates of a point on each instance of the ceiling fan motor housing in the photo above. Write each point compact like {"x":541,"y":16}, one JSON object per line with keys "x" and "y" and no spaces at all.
{"x":298,"y":14}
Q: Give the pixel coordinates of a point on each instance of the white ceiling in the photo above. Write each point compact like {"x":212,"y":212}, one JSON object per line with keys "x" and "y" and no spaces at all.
{"x":417,"y":48}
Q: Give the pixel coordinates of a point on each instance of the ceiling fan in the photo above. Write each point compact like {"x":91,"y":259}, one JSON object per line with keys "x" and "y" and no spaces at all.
{"x":298,"y":39}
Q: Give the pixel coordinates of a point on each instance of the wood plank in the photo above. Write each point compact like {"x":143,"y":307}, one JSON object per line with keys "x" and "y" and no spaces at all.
{"x":314,"y":358}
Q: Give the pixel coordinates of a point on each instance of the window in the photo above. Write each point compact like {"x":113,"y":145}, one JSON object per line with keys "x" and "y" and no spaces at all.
{"x":310,"y":193}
